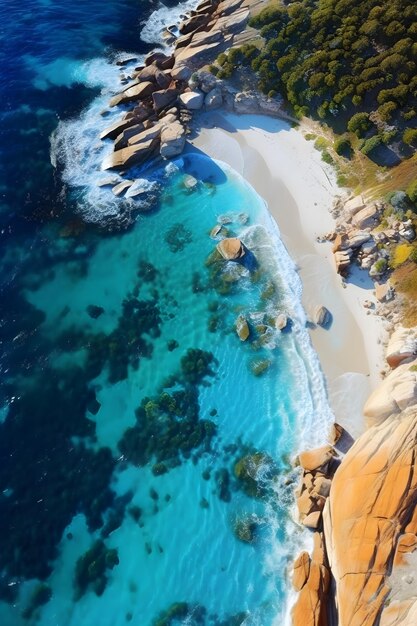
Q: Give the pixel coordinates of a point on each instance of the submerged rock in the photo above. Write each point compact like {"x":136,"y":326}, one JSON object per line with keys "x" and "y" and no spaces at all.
{"x":242,"y":328}
{"x":245,"y":528}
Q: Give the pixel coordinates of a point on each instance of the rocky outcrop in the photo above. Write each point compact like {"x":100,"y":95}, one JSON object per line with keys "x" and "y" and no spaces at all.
{"x":172,"y":140}
{"x":231,"y":248}
{"x":402,"y":346}
{"x":397,"y":392}
{"x":311,"y":574}
{"x":371,"y":526}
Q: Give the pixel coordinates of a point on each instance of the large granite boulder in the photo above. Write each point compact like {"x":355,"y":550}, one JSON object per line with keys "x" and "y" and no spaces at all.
{"x":164,"y":98}
{"x":181,"y":72}
{"x":367,"y":217}
{"x":213,"y":99}
{"x":402,"y":346}
{"x":192,"y":100}
{"x":371,"y":526}
{"x":231,"y":248}
{"x":132,"y":155}
{"x":114,"y":130}
{"x":172,"y":140}
{"x":397,"y":392}
{"x":137,"y":92}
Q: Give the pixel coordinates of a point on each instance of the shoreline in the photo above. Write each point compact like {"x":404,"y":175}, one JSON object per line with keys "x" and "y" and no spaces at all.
{"x":299,"y":189}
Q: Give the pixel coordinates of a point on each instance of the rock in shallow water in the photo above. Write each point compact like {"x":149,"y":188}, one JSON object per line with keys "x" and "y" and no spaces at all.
{"x":231,"y":248}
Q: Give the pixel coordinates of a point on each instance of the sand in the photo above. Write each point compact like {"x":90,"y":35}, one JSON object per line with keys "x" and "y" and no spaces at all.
{"x":300,"y":189}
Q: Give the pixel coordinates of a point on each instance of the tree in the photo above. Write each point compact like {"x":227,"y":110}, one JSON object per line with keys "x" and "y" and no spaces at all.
{"x":359,"y":124}
{"x":410,"y":136}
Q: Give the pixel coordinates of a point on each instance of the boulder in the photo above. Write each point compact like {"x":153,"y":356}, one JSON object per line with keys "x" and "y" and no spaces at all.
{"x":119,"y":189}
{"x":301,"y":570}
{"x":313,"y":520}
{"x":231,"y":248}
{"x":371,"y":523}
{"x":148,"y":73}
{"x":310,"y":608}
{"x":192,"y":100}
{"x":164,"y":98}
{"x":281,"y":321}
{"x":246,"y":102}
{"x":242,"y":328}
{"x":397,"y":392}
{"x":213,"y":99}
{"x":367,"y":217}
{"x":145,"y":135}
{"x":193,"y":23}
{"x":317,"y":459}
{"x":340,"y":242}
{"x":122,"y":139}
{"x":358,"y":238}
{"x":342,"y":260}
{"x":161,"y":60}
{"x":111,"y":132}
{"x":132,"y":155}
{"x":207,"y":81}
{"x":140,"y":91}
{"x":181,"y":72}
{"x":190,"y":182}
{"x":402,"y":346}
{"x":172,"y":140}
{"x":217,"y":231}
{"x":354,"y":205}
{"x":321,"y":316}
{"x":321,"y":487}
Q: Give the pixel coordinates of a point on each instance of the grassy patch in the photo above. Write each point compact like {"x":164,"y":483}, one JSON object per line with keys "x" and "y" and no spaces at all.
{"x":404,"y":280}
{"x":400,"y":254}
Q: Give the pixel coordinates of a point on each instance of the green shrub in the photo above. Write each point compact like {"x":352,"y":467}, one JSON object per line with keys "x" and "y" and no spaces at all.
{"x":359,"y":124}
{"x":411,"y":191}
{"x":381,"y":265}
{"x":371,"y":144}
{"x":410,"y":136}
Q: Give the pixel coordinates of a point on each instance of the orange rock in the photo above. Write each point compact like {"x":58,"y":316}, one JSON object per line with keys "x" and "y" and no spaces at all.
{"x":312,"y":520}
{"x":371,"y":522}
{"x":231,"y":248}
{"x":319,"y":458}
{"x":301,"y":570}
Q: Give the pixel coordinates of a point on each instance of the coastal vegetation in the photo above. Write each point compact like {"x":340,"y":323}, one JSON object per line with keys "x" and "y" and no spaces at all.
{"x":350,"y":64}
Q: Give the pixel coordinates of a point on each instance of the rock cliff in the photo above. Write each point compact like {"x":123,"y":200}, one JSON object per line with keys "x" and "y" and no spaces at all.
{"x":369,"y":534}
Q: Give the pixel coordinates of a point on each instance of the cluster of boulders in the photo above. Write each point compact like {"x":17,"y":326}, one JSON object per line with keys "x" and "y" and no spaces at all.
{"x":311,"y":573}
{"x":359,"y":236}
{"x":163,"y":94}
{"x":363,"y":515}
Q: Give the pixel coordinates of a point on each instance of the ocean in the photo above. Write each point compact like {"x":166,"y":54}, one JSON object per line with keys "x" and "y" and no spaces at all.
{"x":145,"y":450}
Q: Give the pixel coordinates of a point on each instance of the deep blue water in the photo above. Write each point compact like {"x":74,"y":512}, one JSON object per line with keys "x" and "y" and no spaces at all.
{"x":128,"y":405}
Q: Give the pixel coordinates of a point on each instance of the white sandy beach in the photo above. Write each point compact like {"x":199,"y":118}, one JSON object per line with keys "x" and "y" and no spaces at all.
{"x":287,"y":171}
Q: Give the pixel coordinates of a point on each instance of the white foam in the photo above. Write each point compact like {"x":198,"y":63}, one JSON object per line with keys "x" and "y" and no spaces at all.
{"x":161,"y":18}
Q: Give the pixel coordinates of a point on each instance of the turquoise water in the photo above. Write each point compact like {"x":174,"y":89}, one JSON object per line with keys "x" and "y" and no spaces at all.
{"x":144,"y":474}
{"x":185,"y":549}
